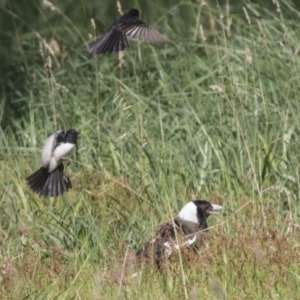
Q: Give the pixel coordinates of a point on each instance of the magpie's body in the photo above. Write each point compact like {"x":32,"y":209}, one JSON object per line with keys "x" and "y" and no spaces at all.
{"x":185,"y":230}
{"x":51,"y":180}
{"x":115,"y":40}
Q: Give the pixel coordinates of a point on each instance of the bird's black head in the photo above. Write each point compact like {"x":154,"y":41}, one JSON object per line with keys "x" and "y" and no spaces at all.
{"x":71,"y":136}
{"x":204,"y":208}
{"x":197,"y":211}
{"x":129,"y":17}
{"x":132,"y":13}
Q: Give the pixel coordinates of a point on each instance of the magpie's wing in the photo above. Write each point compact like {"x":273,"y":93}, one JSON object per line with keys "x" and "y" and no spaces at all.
{"x":139,"y":30}
{"x":50,"y":144}
{"x":112,"y":41}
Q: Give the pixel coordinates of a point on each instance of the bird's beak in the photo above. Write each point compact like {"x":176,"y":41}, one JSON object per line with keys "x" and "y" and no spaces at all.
{"x":216,"y":209}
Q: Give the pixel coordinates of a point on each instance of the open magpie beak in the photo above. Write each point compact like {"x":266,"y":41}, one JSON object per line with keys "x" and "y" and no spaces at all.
{"x":216,"y":209}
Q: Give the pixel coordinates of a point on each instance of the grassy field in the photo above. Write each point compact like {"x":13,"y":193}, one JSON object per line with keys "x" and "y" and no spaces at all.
{"x":214,"y":115}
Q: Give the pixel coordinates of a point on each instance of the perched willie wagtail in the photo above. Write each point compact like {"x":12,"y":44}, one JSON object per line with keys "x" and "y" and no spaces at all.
{"x":51,"y":180}
{"x":115,"y":40}
{"x":185,"y":230}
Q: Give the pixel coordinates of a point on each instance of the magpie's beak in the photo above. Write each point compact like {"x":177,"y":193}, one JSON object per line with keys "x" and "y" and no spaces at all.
{"x":216,"y":209}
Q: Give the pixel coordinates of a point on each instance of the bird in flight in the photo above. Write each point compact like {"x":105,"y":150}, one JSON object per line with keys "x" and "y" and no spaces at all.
{"x":185,"y":230}
{"x":128,"y":25}
{"x":51,"y":180}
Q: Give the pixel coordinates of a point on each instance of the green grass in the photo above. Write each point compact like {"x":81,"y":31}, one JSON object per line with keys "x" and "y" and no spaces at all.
{"x":215,"y":118}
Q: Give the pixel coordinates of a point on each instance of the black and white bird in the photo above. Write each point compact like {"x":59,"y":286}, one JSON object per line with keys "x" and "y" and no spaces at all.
{"x":128,"y":25}
{"x":185,"y":230}
{"x":51,"y":180}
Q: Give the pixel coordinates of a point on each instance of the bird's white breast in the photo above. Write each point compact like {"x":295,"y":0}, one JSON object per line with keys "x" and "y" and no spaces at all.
{"x":60,"y":151}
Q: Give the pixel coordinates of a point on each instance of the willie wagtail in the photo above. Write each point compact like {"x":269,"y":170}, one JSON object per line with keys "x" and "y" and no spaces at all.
{"x":51,"y":180}
{"x":115,"y":40}
{"x":185,"y":230}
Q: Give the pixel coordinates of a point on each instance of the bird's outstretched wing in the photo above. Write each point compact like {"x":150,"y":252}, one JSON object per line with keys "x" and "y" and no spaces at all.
{"x":112,"y":41}
{"x":139,"y":30}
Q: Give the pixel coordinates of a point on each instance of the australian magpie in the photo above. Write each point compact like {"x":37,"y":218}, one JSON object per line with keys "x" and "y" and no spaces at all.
{"x":51,"y":180}
{"x":185,"y":230}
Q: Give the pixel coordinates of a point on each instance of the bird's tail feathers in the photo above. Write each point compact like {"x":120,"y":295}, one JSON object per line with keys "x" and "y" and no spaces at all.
{"x":49,"y":184}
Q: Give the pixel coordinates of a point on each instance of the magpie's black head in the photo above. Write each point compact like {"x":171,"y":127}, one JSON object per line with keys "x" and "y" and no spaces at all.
{"x":204,"y":208}
{"x":197,"y":211}
{"x":71,"y":136}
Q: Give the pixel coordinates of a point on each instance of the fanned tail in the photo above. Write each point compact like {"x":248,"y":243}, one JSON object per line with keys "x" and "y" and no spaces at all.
{"x":51,"y":184}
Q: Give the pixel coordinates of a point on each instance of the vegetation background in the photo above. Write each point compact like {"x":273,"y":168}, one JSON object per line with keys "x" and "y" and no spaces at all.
{"x":214,"y":115}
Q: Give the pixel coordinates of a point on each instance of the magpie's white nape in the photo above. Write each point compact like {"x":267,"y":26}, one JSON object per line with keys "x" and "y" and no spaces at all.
{"x":51,"y":180}
{"x":184,"y":231}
